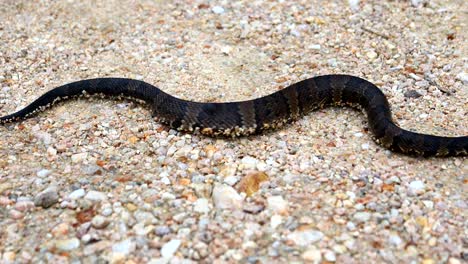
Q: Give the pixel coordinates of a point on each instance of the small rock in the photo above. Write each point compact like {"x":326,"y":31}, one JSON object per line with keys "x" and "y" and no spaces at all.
{"x":362,"y":216}
{"x":275,"y":221}
{"x":249,"y":162}
{"x":24,"y":206}
{"x":99,"y":222}
{"x":201,"y":205}
{"x":14,"y":214}
{"x":77,"y":194}
{"x":315,"y":47}
{"x":395,"y":240}
{"x":162,"y":230}
{"x":412,"y":94}
{"x":354,"y":4}
{"x":217,"y":10}
{"x":67,"y":244}
{"x":170,"y":248}
{"x":330,"y":256}
{"x":416,"y":188}
{"x":124,"y":247}
{"x":463,"y":76}
{"x":47,"y":198}
{"x":305,"y":237}
{"x":231,"y":180}
{"x":250,"y":184}
{"x":454,"y":261}
{"x":416,"y":3}
{"x":312,"y":255}
{"x":76,"y":158}
{"x":277,"y":204}
{"x":371,"y":55}
{"x":95,"y":196}
{"x":43,"y":173}
{"x":226,"y":197}
{"x":253,"y":208}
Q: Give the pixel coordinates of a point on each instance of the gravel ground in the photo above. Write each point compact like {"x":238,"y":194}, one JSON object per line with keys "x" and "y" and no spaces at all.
{"x":99,"y":181}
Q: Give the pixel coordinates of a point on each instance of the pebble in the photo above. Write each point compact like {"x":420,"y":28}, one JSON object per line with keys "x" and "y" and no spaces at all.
{"x":315,"y":47}
{"x":395,"y":240}
{"x":67,"y":244}
{"x":47,"y":198}
{"x":312,"y":255}
{"x":329,"y":256}
{"x":217,"y":10}
{"x":463,"y":76}
{"x":43,"y":173}
{"x":168,"y":249}
{"x":77,"y":158}
{"x":24,"y":205}
{"x":416,"y":187}
{"x":249,"y":162}
{"x":277,"y":204}
{"x":124,"y":247}
{"x":412,"y":94}
{"x":99,"y":222}
{"x":95,"y":196}
{"x":162,"y":230}
{"x":362,"y":216}
{"x":371,"y":55}
{"x":275,"y":221}
{"x":231,"y":180}
{"x":201,"y":205}
{"x":305,"y":237}
{"x":226,"y":197}
{"x":77,"y":194}
{"x":14,"y":214}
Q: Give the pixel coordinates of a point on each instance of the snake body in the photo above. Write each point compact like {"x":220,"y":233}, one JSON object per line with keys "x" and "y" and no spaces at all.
{"x":271,"y":111}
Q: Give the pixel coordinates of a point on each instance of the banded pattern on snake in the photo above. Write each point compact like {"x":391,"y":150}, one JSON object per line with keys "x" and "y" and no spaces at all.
{"x":254,"y":116}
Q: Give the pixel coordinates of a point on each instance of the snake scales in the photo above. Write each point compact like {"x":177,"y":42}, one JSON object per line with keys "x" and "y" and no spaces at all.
{"x":254,"y":116}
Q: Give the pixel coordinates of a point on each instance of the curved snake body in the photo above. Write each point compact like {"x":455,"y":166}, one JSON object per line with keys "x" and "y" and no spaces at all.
{"x":271,"y":111}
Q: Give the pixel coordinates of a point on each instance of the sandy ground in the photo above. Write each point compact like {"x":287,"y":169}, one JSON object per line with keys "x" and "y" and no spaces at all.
{"x":99,"y":181}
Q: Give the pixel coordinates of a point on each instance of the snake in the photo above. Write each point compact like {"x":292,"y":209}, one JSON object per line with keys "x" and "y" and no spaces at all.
{"x":243,"y":118}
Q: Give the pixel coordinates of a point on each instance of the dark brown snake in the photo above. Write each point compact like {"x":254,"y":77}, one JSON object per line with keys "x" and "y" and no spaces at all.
{"x":271,"y":111}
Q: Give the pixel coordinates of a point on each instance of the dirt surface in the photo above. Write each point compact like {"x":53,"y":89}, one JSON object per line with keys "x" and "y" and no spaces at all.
{"x":96,"y":180}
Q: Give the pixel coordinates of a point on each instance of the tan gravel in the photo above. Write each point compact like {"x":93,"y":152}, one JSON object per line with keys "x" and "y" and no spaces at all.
{"x":98,"y":180}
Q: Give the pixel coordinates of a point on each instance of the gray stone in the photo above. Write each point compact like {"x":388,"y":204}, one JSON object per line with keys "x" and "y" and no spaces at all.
{"x":47,"y":198}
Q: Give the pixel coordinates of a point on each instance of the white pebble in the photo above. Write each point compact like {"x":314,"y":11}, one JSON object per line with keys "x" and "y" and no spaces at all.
{"x":354,"y":4}
{"x":277,"y":204}
{"x":76,"y":158}
{"x":43,"y":173}
{"x":330,"y":256}
{"x":371,"y":55}
{"x":395,"y":240}
{"x":463,"y":76}
{"x":416,"y":187}
{"x":312,"y":255}
{"x":231,"y":180}
{"x":77,"y":194}
{"x":201,"y":205}
{"x":362,"y":216}
{"x":305,"y":237}
{"x":275,"y":221}
{"x":124,"y":247}
{"x":217,"y":10}
{"x":249,"y":162}
{"x":95,"y":196}
{"x":67,"y":244}
{"x":315,"y":47}
{"x":168,"y":249}
{"x":226,"y":197}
